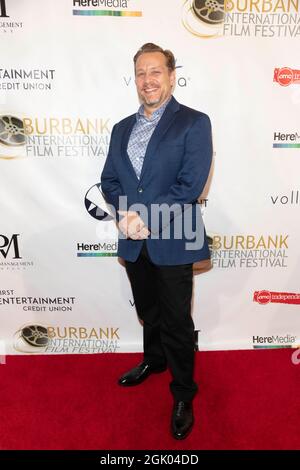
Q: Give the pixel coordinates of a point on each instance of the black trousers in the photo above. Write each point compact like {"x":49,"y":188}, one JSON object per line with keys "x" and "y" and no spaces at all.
{"x":162,"y":296}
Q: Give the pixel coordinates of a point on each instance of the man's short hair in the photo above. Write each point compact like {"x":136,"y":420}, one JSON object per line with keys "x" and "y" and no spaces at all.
{"x":150,"y":47}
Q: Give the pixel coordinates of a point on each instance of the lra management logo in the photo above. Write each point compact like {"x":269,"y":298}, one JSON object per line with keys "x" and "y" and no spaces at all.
{"x":3,"y":13}
{"x":10,"y":246}
{"x":10,"y":253}
{"x":6,"y":23}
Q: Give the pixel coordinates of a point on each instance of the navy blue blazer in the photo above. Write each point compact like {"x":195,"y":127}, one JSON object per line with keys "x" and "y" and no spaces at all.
{"x":175,"y":170}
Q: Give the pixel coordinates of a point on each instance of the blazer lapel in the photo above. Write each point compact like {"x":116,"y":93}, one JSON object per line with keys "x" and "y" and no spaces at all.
{"x":124,"y":144}
{"x":161,"y":128}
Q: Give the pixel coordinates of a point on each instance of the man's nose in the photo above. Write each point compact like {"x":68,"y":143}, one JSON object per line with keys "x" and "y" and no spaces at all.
{"x":147,"y":77}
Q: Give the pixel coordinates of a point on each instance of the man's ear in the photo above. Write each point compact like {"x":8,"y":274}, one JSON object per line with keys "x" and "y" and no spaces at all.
{"x":173,"y":77}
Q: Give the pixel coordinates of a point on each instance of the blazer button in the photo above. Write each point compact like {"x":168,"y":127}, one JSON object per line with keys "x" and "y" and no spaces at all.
{"x":140,"y":190}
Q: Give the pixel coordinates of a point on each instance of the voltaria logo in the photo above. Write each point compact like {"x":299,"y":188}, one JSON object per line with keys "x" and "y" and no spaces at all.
{"x":292,"y":198}
{"x":3,"y":13}
{"x":182,"y":81}
{"x":10,"y":245}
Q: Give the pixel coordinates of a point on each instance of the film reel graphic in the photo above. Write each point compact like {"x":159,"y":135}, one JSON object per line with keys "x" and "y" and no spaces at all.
{"x":12,"y":131}
{"x":31,"y":339}
{"x":35,"y":335}
{"x":209,"y":11}
{"x":204,"y":18}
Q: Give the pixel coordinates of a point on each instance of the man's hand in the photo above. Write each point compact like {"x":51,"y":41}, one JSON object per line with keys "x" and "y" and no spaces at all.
{"x":132,"y":226}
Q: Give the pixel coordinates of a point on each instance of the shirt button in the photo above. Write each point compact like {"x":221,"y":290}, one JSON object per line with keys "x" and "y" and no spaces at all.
{"x":140,"y":190}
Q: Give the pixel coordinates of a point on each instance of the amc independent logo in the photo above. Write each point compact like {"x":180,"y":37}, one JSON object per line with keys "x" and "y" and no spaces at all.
{"x":112,"y":8}
{"x":286,"y":76}
{"x":264,"y":297}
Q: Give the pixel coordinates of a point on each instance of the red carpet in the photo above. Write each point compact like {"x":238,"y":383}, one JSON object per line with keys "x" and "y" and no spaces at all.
{"x":247,"y":400}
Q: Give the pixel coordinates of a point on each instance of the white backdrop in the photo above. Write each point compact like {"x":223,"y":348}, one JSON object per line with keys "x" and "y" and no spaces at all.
{"x":66,"y":76}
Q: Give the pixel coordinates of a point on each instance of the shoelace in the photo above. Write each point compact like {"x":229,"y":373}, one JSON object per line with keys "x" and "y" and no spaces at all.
{"x":180,"y":408}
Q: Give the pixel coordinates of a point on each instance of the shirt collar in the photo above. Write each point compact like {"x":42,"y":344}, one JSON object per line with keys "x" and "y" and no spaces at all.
{"x":156,"y":114}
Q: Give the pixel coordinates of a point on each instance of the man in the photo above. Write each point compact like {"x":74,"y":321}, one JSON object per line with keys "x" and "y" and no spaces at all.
{"x":157,"y":166}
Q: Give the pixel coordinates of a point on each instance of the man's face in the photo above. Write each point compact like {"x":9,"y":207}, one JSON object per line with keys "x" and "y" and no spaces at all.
{"x":154,"y":81}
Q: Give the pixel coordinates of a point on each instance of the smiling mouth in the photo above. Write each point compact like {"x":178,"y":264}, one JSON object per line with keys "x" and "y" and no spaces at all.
{"x":150,"y":90}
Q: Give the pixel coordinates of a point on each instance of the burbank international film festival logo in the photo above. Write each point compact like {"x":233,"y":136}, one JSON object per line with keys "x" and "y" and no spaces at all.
{"x":240,"y":18}
{"x":250,"y":251}
{"x":53,"y":137}
{"x":37,"y":339}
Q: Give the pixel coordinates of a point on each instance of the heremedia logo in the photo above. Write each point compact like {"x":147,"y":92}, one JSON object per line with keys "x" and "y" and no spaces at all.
{"x":286,"y":140}
{"x":117,"y":8}
{"x":272,"y":342}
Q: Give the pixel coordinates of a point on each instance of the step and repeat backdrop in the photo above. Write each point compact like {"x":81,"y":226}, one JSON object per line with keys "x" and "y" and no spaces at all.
{"x":66,"y":76}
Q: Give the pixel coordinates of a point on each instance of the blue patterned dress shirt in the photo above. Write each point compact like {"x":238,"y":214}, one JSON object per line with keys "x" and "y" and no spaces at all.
{"x":141,"y":135}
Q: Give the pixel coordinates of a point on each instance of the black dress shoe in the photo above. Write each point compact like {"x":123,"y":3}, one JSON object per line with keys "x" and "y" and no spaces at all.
{"x":182,"y":419}
{"x":138,"y":374}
